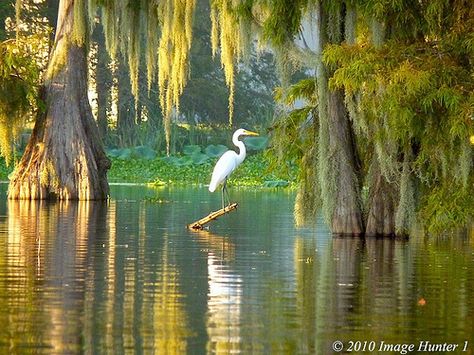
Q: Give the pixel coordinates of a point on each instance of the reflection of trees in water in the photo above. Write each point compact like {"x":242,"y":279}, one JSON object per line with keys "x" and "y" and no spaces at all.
{"x":108,"y":278}
{"x":368,"y":289}
{"x":46,"y":255}
{"x":143,"y":304}
{"x":74,"y":285}
{"x":306,"y":262}
{"x":363,"y":289}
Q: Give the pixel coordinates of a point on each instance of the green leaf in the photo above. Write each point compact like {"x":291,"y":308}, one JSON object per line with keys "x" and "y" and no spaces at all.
{"x":144,"y":152}
{"x":275,"y":183}
{"x":199,"y":158}
{"x":113,"y":153}
{"x":124,"y":154}
{"x":215,"y":151}
{"x":256,"y":143}
{"x":191,"y":149}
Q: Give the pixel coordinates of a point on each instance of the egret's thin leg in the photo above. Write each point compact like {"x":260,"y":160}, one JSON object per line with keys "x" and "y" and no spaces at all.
{"x":226,"y":192}
{"x":222,"y":195}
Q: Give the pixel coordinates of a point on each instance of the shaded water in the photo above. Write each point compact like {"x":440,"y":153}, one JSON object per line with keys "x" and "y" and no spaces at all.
{"x":127,"y":276}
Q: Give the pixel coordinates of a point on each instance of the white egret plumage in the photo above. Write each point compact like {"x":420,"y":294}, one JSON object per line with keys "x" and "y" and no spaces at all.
{"x":228,"y":162}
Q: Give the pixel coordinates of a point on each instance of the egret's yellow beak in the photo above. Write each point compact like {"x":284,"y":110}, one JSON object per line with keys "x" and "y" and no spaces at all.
{"x":250,"y":133}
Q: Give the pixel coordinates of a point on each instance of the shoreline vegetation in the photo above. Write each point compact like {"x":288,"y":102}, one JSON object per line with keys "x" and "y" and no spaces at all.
{"x":178,"y":171}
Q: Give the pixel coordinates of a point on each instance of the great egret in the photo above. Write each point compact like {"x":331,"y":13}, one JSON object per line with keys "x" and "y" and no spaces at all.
{"x":228,"y":162}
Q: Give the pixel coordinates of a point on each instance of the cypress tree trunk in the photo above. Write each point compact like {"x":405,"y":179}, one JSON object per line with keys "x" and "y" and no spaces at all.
{"x":381,"y":205}
{"x":337,"y":156}
{"x":64,"y":158}
{"x":347,"y":215}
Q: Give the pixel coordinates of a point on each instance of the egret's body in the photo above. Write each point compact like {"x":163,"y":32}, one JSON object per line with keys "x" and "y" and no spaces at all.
{"x":228,"y":162}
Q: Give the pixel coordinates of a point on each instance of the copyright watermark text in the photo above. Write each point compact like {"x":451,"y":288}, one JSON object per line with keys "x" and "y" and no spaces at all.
{"x":401,"y":348}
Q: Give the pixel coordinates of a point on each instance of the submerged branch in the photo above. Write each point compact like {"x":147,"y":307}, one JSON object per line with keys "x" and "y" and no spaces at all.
{"x":212,"y":216}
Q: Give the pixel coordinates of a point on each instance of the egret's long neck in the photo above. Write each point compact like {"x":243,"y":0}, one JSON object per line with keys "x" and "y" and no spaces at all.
{"x":241,"y":146}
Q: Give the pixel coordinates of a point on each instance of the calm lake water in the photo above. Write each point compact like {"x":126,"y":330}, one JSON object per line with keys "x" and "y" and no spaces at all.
{"x":127,"y":276}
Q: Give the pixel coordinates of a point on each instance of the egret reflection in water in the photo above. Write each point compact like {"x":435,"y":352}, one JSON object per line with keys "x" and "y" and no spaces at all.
{"x":127,"y":276}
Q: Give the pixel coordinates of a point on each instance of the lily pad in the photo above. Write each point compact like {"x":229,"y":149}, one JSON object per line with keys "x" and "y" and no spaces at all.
{"x":144,"y":152}
{"x":124,"y":154}
{"x":199,"y":158}
{"x":215,"y":151}
{"x":191,"y":149}
{"x":256,"y":143}
{"x":113,"y":153}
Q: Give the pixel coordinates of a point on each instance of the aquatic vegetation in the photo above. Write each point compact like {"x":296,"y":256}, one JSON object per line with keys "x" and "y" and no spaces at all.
{"x":181,"y":170}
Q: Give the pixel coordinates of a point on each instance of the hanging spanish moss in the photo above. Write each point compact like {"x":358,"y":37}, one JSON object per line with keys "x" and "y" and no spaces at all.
{"x":307,"y":199}
{"x":110,"y":26}
{"x":324,"y":164}
{"x":80,"y":22}
{"x":334,"y":21}
{"x":465,"y":163}
{"x":152,"y":42}
{"x":294,"y":135}
{"x":18,"y":4}
{"x":92,"y":12}
{"x":232,"y":35}
{"x":10,"y":128}
{"x":133,"y":15}
{"x":405,"y":214}
{"x":173,"y":56}
{"x":214,"y":30}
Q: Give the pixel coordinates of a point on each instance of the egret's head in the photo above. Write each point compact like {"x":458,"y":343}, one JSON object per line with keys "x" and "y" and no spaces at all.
{"x":244,"y":132}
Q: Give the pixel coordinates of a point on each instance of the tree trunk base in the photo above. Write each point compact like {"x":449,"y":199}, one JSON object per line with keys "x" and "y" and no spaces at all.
{"x":64,"y":158}
{"x":347,"y":216}
{"x":381,"y":214}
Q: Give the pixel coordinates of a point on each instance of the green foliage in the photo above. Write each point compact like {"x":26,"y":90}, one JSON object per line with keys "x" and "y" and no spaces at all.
{"x":18,"y":91}
{"x":292,"y":134}
{"x":5,"y":170}
{"x":448,"y":207}
{"x":191,"y":149}
{"x":192,"y":154}
{"x":183,"y":171}
{"x":304,"y":89}
{"x":415,"y":98}
{"x":283,"y":21}
{"x":140,"y":152}
{"x":256,"y":143}
{"x":275,"y":183}
{"x":422,"y":82}
{"x":215,"y":151}
{"x":7,"y":10}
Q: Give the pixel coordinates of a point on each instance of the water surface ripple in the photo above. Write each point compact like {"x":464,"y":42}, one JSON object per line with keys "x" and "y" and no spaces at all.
{"x":126,"y":276}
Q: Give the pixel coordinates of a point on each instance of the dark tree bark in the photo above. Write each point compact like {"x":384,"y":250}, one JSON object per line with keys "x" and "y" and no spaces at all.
{"x":64,"y":158}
